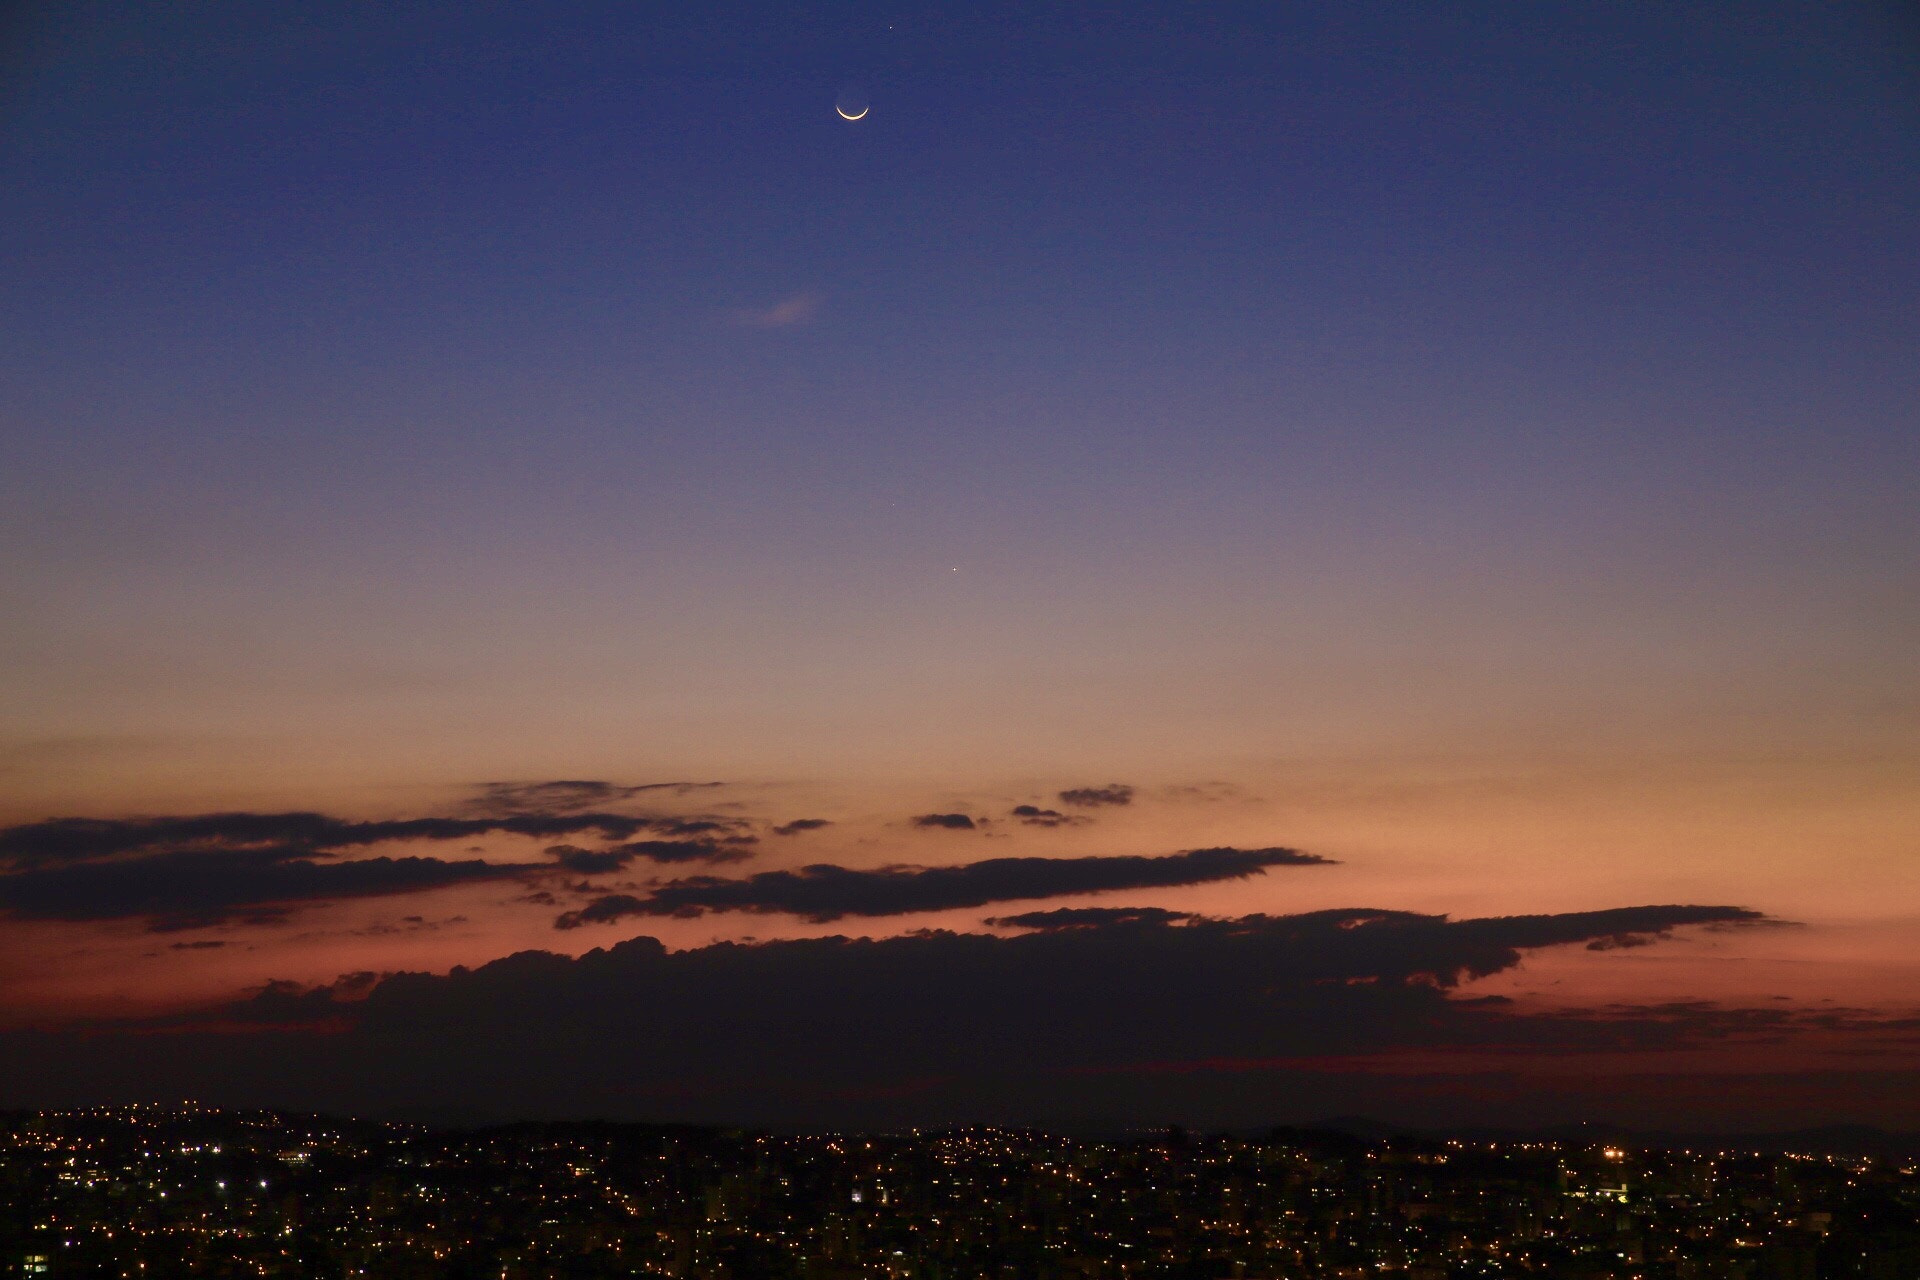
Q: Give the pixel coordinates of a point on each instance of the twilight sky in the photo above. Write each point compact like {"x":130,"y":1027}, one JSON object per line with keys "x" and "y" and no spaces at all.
{"x":1245,"y":561}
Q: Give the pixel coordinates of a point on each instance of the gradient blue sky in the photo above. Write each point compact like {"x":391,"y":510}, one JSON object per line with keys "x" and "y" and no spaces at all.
{"x":1484,"y":438}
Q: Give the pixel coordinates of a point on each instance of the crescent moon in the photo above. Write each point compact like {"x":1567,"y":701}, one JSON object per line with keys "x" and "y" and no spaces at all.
{"x":844,"y":116}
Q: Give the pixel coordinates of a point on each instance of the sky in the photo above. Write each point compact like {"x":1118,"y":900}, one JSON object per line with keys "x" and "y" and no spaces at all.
{"x":1227,"y":565}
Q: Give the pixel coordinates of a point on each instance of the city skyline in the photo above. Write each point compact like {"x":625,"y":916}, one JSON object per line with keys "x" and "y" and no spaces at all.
{"x":182,"y":1190}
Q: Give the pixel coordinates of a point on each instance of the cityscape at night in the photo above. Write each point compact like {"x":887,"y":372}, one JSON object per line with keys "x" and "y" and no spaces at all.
{"x":178,"y":1191}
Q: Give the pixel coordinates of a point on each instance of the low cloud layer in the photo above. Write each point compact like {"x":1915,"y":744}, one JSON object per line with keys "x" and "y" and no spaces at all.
{"x":826,"y":892}
{"x":1152,"y":1016}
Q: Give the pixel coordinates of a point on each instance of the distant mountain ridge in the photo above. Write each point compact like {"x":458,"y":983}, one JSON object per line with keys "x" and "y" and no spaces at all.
{"x":1831,"y":1139}
{"x":1349,"y":1133}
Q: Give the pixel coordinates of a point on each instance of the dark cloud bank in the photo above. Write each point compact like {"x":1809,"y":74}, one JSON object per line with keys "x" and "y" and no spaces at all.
{"x":1124,"y":1014}
{"x":825,"y":892}
{"x":204,"y":869}
{"x":61,"y":841}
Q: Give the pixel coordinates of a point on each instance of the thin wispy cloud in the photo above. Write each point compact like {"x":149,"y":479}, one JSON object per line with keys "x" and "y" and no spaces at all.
{"x":1114,"y":793}
{"x":567,"y":795}
{"x":944,"y":822}
{"x":801,"y":308}
{"x":824,"y":892}
{"x":198,"y":870}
